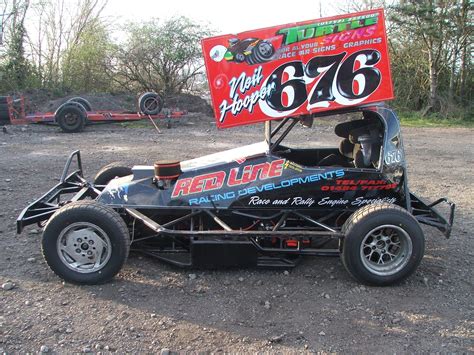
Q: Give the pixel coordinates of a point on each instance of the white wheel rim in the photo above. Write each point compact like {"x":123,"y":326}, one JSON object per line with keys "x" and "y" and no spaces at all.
{"x":84,"y":247}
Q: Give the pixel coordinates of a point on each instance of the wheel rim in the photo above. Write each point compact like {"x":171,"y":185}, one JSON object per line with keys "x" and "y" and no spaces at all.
{"x":265,"y":49}
{"x":71,"y":119}
{"x":151,"y":104}
{"x":386,"y":250}
{"x":84,"y":247}
{"x":240,"y":57}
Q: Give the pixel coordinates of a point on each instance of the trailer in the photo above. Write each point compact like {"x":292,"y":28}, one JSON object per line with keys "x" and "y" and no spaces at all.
{"x":73,"y":115}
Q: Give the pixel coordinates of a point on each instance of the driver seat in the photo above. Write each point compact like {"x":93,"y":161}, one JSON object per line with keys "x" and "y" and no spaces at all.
{"x":367,"y":143}
{"x":360,"y":147}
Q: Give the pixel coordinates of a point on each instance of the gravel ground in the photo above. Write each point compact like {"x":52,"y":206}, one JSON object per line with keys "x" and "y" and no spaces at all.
{"x":153,"y":307}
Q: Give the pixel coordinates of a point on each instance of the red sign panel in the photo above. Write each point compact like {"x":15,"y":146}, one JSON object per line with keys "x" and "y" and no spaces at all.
{"x":299,"y":68}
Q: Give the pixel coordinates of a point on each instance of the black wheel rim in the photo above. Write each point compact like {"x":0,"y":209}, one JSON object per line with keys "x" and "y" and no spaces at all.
{"x":151,"y":104}
{"x":71,"y":120}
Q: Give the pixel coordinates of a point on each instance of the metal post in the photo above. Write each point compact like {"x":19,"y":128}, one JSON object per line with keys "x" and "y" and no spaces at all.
{"x":268,"y":133}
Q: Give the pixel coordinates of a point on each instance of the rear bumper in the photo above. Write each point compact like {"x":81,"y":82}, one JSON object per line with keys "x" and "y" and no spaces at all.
{"x":71,"y":187}
{"x":427,"y":214}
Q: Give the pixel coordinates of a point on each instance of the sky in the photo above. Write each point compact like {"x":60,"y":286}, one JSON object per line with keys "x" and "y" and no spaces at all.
{"x":229,"y":16}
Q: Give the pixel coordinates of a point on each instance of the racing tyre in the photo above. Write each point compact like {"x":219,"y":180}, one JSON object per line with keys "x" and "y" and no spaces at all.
{"x":383,"y":244}
{"x":111,"y":171}
{"x":86,"y":104}
{"x":250,"y":59}
{"x":150,"y":103}
{"x":71,"y":119}
{"x":85,"y":243}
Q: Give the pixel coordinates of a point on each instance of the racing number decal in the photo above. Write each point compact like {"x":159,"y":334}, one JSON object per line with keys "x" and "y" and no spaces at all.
{"x":393,"y":157}
{"x":325,"y":67}
{"x":294,"y":88}
{"x":347,"y":81}
{"x":364,"y":80}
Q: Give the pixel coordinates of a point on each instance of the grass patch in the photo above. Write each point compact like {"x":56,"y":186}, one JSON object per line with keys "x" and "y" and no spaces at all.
{"x":415,"y":120}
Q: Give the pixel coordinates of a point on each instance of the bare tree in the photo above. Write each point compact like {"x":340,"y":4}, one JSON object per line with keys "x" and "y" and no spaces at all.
{"x":15,"y":65}
{"x":58,"y":28}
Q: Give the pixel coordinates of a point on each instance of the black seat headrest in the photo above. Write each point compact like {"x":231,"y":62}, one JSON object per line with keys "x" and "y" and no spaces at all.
{"x":343,"y":129}
{"x":370,"y":133}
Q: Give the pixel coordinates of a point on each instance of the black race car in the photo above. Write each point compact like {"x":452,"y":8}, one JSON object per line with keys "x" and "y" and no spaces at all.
{"x":249,"y":50}
{"x":264,"y":204}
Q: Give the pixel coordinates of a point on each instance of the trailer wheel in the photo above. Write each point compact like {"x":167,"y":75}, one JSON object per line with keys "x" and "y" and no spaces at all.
{"x":150,"y":103}
{"x":4,"y":113}
{"x":71,"y":119}
{"x":86,"y":104}
{"x":111,"y":171}
{"x":383,"y":244}
{"x":85,"y":243}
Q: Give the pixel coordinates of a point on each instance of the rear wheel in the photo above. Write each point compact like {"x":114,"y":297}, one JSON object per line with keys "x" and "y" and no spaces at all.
{"x":263,"y":51}
{"x":111,"y":171}
{"x":86,"y":243}
{"x":383,"y":244}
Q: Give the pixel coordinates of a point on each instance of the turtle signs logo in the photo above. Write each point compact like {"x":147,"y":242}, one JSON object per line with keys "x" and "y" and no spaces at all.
{"x":302,"y":33}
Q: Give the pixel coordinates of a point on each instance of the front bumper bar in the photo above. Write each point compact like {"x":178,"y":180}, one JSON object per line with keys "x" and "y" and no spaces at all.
{"x":427,"y":214}
{"x":71,"y":187}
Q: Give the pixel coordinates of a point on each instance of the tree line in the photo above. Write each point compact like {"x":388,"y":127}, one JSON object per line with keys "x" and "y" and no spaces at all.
{"x":68,"y":46}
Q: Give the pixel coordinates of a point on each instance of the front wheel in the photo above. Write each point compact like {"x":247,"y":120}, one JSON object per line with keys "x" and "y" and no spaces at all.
{"x":239,"y":57}
{"x":383,"y":244}
{"x":86,"y":243}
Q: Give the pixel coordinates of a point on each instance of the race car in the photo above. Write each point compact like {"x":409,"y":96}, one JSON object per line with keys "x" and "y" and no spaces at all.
{"x":250,"y":50}
{"x":266,"y":204}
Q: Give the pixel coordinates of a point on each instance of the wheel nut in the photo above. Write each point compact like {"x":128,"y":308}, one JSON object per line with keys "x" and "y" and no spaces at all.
{"x":91,"y":242}
{"x":78,"y":250}
{"x":79,"y":240}
{"x":89,"y":253}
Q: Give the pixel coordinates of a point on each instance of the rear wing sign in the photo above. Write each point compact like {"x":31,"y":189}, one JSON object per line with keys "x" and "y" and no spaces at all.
{"x":298,"y":69}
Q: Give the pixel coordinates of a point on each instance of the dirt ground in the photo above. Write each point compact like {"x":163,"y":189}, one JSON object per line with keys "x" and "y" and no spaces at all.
{"x":153,"y":307}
